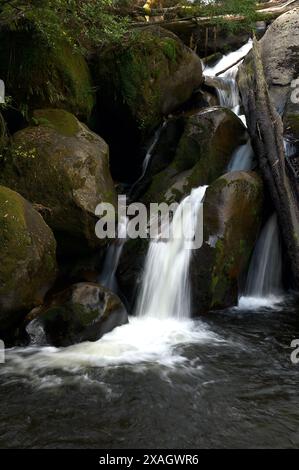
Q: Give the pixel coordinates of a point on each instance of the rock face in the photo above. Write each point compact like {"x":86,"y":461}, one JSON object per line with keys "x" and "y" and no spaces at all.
{"x":63,"y":168}
{"x":27,"y":257}
{"x":232,"y":216}
{"x":268,"y":84}
{"x":52,"y":76}
{"x":83,"y":312}
{"x":202,"y":155}
{"x":151,"y":75}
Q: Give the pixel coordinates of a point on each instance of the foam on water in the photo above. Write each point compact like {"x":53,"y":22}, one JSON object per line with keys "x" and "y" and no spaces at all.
{"x":143,"y":340}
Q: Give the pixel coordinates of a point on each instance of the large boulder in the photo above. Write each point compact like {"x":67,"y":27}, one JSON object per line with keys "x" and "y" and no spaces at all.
{"x":150,"y":75}
{"x":62,"y":167}
{"x":232,"y":215}
{"x":27,"y":258}
{"x":38,"y":74}
{"x":280,"y":57}
{"x":82,"y":312}
{"x":202,"y":155}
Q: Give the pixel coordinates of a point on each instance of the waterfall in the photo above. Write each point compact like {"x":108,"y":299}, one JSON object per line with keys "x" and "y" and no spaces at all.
{"x":264,"y":279}
{"x":107,"y":277}
{"x":242,"y":158}
{"x":165,"y":290}
{"x":229,"y":60}
{"x":228,"y":91}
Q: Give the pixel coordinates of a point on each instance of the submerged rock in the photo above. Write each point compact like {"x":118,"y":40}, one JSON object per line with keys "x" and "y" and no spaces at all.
{"x":203,"y":154}
{"x":139,"y":83}
{"x":232,"y":216}
{"x":27,"y":258}
{"x":39,"y":75}
{"x":83,"y":312}
{"x":62,"y":167}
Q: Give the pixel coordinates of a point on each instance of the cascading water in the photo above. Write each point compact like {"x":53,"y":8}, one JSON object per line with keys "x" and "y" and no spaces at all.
{"x":264,"y":279}
{"x":165,"y":290}
{"x":242,"y":158}
{"x":108,"y":275}
{"x":229,"y":97}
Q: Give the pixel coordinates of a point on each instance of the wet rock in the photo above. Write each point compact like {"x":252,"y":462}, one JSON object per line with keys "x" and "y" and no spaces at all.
{"x":27,"y":258}
{"x":83,"y":312}
{"x":232,"y":216}
{"x":62,"y":167}
{"x":203,"y":153}
{"x":139,"y":83}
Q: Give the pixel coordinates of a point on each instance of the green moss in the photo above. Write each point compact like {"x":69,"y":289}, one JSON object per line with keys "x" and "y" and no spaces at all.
{"x":62,"y":121}
{"x":14,"y":237}
{"x":170,"y":49}
{"x":37,"y":75}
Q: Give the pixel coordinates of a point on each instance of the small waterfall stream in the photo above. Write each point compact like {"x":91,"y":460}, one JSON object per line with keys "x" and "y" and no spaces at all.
{"x":229,"y":97}
{"x":108,"y":275}
{"x":264,"y":279}
{"x":165,"y":290}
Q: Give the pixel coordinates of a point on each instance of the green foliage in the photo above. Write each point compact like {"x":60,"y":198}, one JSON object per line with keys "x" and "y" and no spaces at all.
{"x":82,"y":22}
{"x":217,"y":10}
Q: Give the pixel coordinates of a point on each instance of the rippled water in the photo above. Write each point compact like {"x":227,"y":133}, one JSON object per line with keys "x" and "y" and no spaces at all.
{"x":224,"y":381}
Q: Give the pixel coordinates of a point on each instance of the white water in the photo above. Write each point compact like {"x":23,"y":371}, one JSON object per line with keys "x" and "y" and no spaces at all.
{"x":108,"y":275}
{"x":264,"y":279}
{"x":165,"y":291}
{"x":228,"y":91}
{"x":162,"y":324}
{"x":142,"y":341}
{"x":229,"y":60}
{"x":242,"y":158}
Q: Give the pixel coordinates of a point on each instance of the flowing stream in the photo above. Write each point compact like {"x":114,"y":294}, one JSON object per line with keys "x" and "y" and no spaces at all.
{"x":223,"y":380}
{"x":264,"y":279}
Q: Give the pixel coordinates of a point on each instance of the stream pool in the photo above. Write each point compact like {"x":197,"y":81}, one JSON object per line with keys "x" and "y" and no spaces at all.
{"x":224,"y":381}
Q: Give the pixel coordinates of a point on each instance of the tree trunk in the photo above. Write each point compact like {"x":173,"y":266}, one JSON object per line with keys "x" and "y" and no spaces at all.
{"x":266,"y":130}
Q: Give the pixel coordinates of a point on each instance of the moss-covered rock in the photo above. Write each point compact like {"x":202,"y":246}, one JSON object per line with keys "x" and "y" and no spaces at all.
{"x":27,"y":257}
{"x":61,"y":166}
{"x":146,"y":78}
{"x":83,"y":312}
{"x":38,"y":75}
{"x":203,"y":153}
{"x":232,"y":216}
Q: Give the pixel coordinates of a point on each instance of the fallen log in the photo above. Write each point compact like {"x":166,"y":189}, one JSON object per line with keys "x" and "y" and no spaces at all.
{"x":266,"y":131}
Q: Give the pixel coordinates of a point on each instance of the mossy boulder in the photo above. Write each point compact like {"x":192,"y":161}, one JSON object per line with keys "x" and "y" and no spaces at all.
{"x":62,"y":167}
{"x":27,"y":258}
{"x":232,"y":216}
{"x":203,"y":154}
{"x":83,"y":312}
{"x":150,"y":75}
{"x":39,"y":75}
